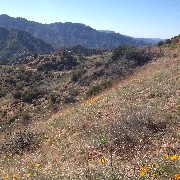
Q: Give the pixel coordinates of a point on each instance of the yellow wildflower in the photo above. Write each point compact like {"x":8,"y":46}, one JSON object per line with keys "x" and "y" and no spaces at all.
{"x":166,"y":156}
{"x":11,"y":155}
{"x":102,"y":160}
{"x":4,"y":156}
{"x":6,"y":176}
{"x":142,"y":173}
{"x":153,"y":175}
{"x":174,"y":157}
{"x":28,"y":175}
{"x":177,"y":176}
{"x":37,"y":164}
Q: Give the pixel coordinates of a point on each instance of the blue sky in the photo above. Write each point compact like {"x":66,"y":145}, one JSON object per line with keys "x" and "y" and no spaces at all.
{"x":137,"y":18}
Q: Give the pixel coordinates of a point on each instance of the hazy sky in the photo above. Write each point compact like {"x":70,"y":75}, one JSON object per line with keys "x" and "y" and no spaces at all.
{"x":137,"y":18}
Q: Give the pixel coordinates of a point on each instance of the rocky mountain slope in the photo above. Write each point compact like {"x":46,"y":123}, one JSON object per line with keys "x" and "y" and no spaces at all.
{"x":44,"y":83}
{"x":70,"y":34}
{"x":16,"y":44}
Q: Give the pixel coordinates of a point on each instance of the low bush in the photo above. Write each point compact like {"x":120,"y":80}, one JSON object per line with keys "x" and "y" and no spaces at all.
{"x":93,"y":90}
{"x":29,"y":95}
{"x":77,"y":74}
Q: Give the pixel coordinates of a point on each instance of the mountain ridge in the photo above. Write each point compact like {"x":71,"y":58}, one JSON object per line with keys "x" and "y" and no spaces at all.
{"x":15,"y":44}
{"x":70,"y":34}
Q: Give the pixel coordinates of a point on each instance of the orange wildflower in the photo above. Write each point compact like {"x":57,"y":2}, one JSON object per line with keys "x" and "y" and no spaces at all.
{"x":142,"y":173}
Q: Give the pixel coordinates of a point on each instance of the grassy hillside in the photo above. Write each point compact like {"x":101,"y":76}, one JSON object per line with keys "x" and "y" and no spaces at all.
{"x":130,"y":131}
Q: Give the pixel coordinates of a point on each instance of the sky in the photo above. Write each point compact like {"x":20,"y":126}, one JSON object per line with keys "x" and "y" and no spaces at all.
{"x":136,"y":18}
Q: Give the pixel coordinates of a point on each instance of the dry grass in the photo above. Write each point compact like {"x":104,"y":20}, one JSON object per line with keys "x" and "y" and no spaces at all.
{"x":131,"y":131}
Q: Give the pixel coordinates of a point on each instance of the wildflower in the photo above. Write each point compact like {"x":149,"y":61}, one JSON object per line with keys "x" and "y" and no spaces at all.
{"x":102,"y":160}
{"x":28,"y":175}
{"x":144,"y":168}
{"x":15,"y":176}
{"x":37,"y":164}
{"x":4,"y":156}
{"x":166,"y":156}
{"x":177,"y":176}
{"x":153,"y":175}
{"x":11,"y":155}
{"x":6,"y":176}
{"x":142,"y":173}
{"x":174,"y":157}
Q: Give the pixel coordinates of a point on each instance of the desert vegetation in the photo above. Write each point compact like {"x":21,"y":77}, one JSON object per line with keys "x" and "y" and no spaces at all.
{"x":111,"y":115}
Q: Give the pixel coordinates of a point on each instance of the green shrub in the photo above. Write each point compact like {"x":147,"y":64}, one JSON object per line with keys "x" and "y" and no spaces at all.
{"x":106,"y":84}
{"x":19,"y":86}
{"x":94,"y":90}
{"x":121,"y":51}
{"x":29,"y":95}
{"x":77,"y":74}
{"x":53,"y":98}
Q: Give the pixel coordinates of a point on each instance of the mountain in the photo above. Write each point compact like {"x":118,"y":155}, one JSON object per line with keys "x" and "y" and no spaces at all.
{"x":69,"y":34}
{"x":106,"y":31}
{"x":151,"y":40}
{"x":15,"y":44}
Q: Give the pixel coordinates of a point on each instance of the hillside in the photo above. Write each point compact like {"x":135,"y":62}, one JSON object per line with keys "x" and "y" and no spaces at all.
{"x":16,"y":44}
{"x":41,"y":84}
{"x":100,"y":115}
{"x":71,"y":34}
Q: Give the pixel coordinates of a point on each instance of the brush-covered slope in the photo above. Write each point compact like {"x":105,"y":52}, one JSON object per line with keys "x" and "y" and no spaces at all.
{"x":130,"y":131}
{"x":15,"y":44}
{"x":70,"y":34}
{"x":42,"y":84}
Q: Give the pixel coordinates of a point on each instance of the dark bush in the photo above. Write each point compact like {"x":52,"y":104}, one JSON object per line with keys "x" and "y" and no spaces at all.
{"x":160,"y":43}
{"x":69,"y":99}
{"x":134,"y":54}
{"x":121,"y":51}
{"x":93,"y":90}
{"x":53,"y":98}
{"x":29,"y":95}
{"x":2,"y":94}
{"x":77,"y":74}
{"x":106,"y":84}
{"x":17,"y":94}
{"x":19,"y":86}
{"x":168,"y":41}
